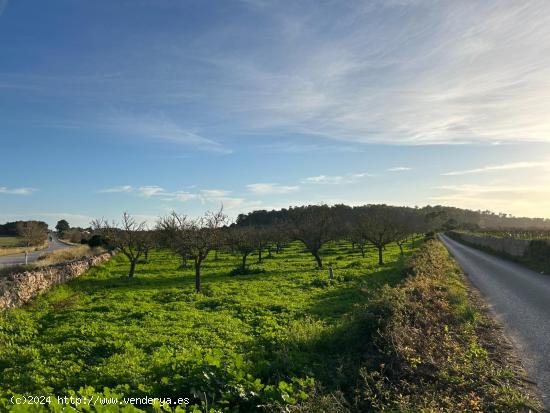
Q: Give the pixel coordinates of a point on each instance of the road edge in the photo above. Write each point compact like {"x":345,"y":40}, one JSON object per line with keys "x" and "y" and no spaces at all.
{"x":500,"y":348}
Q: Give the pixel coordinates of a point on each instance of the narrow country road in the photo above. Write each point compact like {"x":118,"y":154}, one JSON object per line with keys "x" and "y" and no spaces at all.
{"x":520,"y":299}
{"x":53,"y":245}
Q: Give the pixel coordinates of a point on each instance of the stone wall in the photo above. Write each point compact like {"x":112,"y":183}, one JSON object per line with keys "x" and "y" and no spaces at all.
{"x":17,"y":289}
{"x":513,"y":247}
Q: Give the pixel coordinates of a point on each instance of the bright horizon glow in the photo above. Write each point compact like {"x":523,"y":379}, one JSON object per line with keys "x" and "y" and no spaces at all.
{"x":161,"y":105}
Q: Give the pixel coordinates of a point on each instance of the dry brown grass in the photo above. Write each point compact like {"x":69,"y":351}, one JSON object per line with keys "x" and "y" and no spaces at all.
{"x":68,"y":254}
{"x":20,"y":250}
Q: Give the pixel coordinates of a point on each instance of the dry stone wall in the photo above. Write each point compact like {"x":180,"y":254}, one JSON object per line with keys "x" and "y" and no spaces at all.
{"x":17,"y":289}
{"x":513,"y":247}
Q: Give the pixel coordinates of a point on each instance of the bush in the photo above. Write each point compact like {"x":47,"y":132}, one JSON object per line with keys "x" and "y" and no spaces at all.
{"x":246,"y":271}
{"x":430,"y":352}
{"x":97,"y":241}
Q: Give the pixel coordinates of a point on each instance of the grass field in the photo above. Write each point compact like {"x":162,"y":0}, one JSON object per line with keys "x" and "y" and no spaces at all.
{"x":9,"y":242}
{"x":247,"y":338}
{"x":13,"y":245}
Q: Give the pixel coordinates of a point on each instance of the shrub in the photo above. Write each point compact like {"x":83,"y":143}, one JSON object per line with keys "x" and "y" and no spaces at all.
{"x":430,"y":356}
{"x":97,"y":241}
{"x":246,"y":271}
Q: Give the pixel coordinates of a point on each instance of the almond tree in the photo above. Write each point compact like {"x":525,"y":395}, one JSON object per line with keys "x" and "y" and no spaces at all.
{"x":313,"y":226}
{"x":129,"y":237}
{"x":262,"y":239}
{"x":378,"y":225}
{"x":241,"y":241}
{"x":32,"y":233}
{"x":193,"y":238}
{"x":358,"y":238}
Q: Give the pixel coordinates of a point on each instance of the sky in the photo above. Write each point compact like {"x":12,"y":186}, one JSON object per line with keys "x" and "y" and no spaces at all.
{"x":149,"y":106}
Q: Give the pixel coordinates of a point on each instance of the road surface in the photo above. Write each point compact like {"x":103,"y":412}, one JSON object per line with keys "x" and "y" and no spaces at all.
{"x":53,"y":245}
{"x":520,"y":299}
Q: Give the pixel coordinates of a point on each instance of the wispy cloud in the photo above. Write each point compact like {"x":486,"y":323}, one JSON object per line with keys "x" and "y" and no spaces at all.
{"x":205,"y":196}
{"x":271,"y":189}
{"x":399,"y":169}
{"x":434,"y":73}
{"x":335,"y":179}
{"x":3,"y":5}
{"x":159,"y":127}
{"x":501,"y":167}
{"x":16,"y":191}
{"x":151,"y":190}
{"x":116,"y":189}
{"x":214,"y":192}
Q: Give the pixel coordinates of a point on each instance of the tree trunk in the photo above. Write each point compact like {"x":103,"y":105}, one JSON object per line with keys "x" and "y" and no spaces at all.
{"x":400,"y":248}
{"x":132,"y":268}
{"x":269,"y":255}
{"x":259,"y":255}
{"x":380,"y":259}
{"x":318,"y":259}
{"x":146,"y":255}
{"x":197,"y":276}
{"x":278,"y":248}
{"x":243,"y":266}
{"x":362,"y":247}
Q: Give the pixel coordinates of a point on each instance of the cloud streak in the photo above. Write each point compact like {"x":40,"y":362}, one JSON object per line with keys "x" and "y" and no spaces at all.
{"x":444,"y":73}
{"x":503,"y":167}
{"x":271,"y":189}
{"x":16,"y":191}
{"x":335,"y":179}
{"x":3,"y":5}
{"x":117,"y":189}
{"x":158,"y":127}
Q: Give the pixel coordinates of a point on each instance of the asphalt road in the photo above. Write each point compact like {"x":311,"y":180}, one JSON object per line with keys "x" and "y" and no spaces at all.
{"x":53,"y":245}
{"x":520,"y":299}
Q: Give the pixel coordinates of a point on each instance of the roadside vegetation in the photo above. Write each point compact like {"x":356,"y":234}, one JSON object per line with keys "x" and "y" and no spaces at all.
{"x":68,"y":254}
{"x":53,"y":258}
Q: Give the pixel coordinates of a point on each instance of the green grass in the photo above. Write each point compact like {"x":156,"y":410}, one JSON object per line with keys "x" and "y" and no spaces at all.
{"x":10,"y":242}
{"x":247,"y":340}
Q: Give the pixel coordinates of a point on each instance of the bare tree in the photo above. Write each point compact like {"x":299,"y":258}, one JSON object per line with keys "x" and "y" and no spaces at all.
{"x":129,"y":237}
{"x":280,"y":231}
{"x":32,"y":232}
{"x":241,"y":241}
{"x":151,"y":241}
{"x":262,"y":239}
{"x":313,"y":226}
{"x":193,"y":238}
{"x":172,"y":234}
{"x":358,"y":238}
{"x":378,"y":224}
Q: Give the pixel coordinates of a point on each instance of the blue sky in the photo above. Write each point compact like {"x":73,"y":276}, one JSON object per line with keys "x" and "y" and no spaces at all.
{"x":150,"y":106}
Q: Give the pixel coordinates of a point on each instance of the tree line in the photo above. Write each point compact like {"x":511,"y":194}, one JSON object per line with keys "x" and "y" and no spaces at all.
{"x":261,"y":233}
{"x":264,"y":232}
